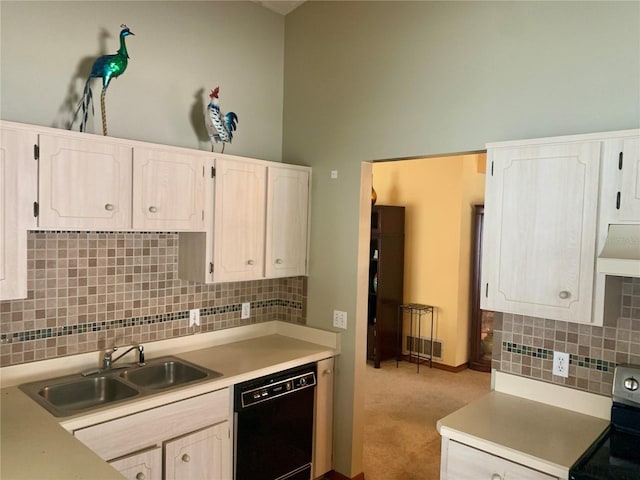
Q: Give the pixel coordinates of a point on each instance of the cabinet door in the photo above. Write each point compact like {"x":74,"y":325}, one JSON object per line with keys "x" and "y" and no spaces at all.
{"x":629,"y":203}
{"x":84,"y":184}
{"x":287,"y":222}
{"x":239,"y":219}
{"x":461,"y":462}
{"x":323,"y":423}
{"x":168,"y":190}
{"x":540,"y":230}
{"x":145,"y":465}
{"x":18,"y":181}
{"x":203,"y":454}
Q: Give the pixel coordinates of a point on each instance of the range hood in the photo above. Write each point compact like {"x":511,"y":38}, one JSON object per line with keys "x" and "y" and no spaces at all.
{"x":620,"y":255}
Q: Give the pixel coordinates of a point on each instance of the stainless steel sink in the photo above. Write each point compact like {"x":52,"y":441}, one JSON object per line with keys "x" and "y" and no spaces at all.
{"x":72,"y":394}
{"x":64,"y":396}
{"x":166,"y":373}
{"x":87,"y":393}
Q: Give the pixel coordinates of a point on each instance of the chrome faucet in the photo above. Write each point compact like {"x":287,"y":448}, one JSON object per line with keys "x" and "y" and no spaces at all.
{"x":108,"y":361}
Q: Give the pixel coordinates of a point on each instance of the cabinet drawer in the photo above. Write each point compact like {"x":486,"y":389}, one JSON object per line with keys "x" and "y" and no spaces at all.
{"x":141,"y":430}
{"x":467,"y":463}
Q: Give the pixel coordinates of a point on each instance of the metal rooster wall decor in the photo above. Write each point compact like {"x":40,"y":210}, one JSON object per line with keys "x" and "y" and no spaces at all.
{"x":106,"y":67}
{"x":220,"y":126}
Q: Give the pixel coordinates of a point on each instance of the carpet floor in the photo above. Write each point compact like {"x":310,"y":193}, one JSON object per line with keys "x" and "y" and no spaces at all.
{"x":401,"y":410}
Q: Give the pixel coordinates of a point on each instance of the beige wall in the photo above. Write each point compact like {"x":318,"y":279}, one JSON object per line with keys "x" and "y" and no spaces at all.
{"x":381,"y":80}
{"x":438,"y":195}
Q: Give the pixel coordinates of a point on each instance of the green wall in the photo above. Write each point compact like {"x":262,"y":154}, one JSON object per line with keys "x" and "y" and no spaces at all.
{"x":380,"y":80}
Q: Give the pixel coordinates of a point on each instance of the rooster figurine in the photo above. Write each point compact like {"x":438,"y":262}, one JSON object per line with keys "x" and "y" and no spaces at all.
{"x":219,"y":126}
{"x":106,"y":67}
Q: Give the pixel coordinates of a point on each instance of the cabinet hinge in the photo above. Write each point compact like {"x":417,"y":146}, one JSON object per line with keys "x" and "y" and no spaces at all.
{"x":210,"y":267}
{"x":36,"y":209}
{"x":620,"y":161}
{"x":618,"y":201}
{"x":36,"y":151}
{"x":213,"y":172}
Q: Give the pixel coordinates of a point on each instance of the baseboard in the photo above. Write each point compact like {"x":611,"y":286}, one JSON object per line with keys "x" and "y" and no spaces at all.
{"x":333,"y":475}
{"x":440,"y":366}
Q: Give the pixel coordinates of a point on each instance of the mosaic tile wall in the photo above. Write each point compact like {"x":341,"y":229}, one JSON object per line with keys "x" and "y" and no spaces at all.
{"x":525,"y":345}
{"x":88,"y":291}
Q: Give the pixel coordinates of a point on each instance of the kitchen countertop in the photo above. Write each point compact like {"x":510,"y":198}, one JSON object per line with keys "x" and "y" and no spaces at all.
{"x":35,"y":444}
{"x":540,"y":436}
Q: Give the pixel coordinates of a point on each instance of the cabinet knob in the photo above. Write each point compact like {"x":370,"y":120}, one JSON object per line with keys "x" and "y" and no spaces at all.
{"x":153,"y":209}
{"x":186,"y":458}
{"x":496,"y":476}
{"x":140,"y":476}
{"x":108,"y":207}
{"x":278,"y":261}
{"x":564,"y":294}
{"x":249,"y":262}
{"x":328,"y":371}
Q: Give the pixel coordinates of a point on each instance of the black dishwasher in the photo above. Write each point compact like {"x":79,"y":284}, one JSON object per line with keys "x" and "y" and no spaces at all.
{"x":273,"y":421}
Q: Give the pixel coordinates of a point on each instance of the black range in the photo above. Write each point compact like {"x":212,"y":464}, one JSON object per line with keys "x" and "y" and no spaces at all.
{"x":615,"y":455}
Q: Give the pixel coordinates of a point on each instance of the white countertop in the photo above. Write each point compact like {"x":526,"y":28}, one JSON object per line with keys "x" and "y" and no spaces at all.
{"x":34,"y":444}
{"x":532,"y":433}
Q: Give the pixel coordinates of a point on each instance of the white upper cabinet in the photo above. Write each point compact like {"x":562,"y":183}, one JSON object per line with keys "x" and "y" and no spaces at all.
{"x":287,"y":221}
{"x":168,"y":189}
{"x":259,"y":225}
{"x":239,"y":220}
{"x":541,"y":206}
{"x":84,"y":184}
{"x":628,"y":196}
{"x":18,"y":181}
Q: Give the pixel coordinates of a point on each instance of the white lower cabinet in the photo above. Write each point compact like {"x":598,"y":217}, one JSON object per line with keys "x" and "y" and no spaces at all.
{"x":198,"y":455}
{"x":323,"y":423}
{"x":188,"y":439}
{"x":461,"y":462}
{"x":145,"y":465}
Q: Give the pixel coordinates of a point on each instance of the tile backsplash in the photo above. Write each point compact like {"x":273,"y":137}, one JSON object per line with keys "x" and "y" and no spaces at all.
{"x":525,"y":345}
{"x":88,"y":291}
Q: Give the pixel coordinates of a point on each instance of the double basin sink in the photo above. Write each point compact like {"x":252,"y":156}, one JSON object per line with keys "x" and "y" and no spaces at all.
{"x":72,"y":394}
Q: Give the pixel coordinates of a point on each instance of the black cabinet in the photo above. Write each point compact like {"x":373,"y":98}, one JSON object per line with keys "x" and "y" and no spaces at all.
{"x":386,"y":276}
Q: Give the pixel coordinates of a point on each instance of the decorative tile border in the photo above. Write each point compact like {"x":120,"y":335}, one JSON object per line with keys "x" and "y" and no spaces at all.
{"x":40,"y":334}
{"x":545,"y":354}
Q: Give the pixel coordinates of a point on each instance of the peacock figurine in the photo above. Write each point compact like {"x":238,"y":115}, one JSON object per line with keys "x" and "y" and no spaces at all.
{"x":106,"y":67}
{"x":220,"y":126}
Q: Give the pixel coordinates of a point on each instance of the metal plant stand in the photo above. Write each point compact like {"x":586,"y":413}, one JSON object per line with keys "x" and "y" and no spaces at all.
{"x":416,"y":311}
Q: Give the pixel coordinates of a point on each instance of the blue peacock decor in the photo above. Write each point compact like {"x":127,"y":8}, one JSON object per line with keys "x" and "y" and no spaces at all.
{"x":220,"y":126}
{"x":106,"y":67}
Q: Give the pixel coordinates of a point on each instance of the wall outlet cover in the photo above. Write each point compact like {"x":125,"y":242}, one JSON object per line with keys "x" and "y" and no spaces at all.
{"x":340,"y":319}
{"x":194,"y":317}
{"x":246,"y":310}
{"x":561,"y":364}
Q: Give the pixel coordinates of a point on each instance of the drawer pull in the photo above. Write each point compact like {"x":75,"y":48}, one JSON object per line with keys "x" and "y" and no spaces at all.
{"x":153,"y":209}
{"x":496,"y":476}
{"x":249,"y":262}
{"x":564,"y":294}
{"x":140,"y":476}
{"x":186,"y":458}
{"x":278,"y":261}
{"x":108,"y":207}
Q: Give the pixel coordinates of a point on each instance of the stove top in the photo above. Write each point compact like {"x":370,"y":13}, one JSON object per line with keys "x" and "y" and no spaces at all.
{"x":615,"y":455}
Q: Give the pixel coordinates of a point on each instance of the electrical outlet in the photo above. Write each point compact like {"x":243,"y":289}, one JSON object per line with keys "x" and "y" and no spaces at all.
{"x":340,"y":319}
{"x":561,"y":364}
{"x":194,"y":317}
{"x":246,"y":310}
